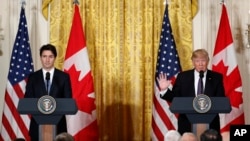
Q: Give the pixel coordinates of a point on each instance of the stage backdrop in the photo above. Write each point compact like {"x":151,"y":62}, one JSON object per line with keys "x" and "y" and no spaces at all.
{"x":122,"y":40}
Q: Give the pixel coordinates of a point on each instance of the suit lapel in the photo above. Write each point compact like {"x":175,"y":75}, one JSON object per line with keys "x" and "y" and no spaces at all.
{"x":208,"y":86}
{"x":41,"y":82}
{"x":53,"y":84}
{"x":193,"y":84}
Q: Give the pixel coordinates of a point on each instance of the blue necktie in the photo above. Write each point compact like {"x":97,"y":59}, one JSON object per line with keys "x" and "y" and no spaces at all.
{"x":200,"y":83}
{"x":47,"y":82}
{"x":200,"y":86}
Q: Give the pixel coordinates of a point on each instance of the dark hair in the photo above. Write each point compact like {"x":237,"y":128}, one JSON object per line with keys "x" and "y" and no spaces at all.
{"x":50,"y":47}
{"x":211,"y":135}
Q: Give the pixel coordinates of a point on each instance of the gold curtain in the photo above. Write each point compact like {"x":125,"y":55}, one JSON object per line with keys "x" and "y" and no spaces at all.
{"x":181,"y":13}
{"x":122,"y":40}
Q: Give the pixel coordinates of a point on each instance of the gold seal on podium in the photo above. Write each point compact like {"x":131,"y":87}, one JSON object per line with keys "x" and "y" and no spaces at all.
{"x":46,"y":104}
{"x":202,"y":103}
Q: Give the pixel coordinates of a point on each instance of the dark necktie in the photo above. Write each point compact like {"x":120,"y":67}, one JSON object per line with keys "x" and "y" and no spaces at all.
{"x":200,"y":83}
{"x":47,"y":81}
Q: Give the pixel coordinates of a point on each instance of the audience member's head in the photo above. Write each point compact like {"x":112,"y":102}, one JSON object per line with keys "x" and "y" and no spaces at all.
{"x":64,"y":137}
{"x":19,"y":139}
{"x":211,"y":135}
{"x":172,"y":135}
{"x":188,"y":136}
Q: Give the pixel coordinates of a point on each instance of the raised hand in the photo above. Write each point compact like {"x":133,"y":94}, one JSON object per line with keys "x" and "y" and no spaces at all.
{"x":162,"y":81}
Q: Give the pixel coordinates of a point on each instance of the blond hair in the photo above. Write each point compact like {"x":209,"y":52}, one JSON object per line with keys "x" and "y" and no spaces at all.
{"x":200,"y":53}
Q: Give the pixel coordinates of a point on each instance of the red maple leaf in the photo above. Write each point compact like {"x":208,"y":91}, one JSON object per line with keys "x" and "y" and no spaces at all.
{"x":231,"y":83}
{"x":82,"y":90}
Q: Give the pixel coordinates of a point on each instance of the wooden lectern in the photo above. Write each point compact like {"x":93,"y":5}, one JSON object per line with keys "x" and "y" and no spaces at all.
{"x":184,"y":105}
{"x":47,"y":122}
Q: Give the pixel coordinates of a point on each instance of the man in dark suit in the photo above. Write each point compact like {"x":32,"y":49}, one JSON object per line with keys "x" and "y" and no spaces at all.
{"x":36,"y":86}
{"x":186,"y":85}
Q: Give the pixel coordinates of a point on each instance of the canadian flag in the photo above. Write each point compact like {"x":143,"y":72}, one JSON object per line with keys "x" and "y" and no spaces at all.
{"x":83,"y":125}
{"x":224,"y":61}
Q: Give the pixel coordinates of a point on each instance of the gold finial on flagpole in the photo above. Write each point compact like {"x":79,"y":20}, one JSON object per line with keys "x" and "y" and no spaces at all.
{"x":222,"y":2}
{"x":166,"y":2}
{"x":23,"y":2}
{"x":76,"y":2}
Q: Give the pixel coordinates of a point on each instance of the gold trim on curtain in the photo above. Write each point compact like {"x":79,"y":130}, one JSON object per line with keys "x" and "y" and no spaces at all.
{"x":122,"y":41}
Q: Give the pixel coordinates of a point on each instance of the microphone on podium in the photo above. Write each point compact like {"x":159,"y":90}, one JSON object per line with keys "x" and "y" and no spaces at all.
{"x":47,"y":79}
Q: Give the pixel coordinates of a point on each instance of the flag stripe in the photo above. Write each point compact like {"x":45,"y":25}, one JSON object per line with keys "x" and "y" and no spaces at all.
{"x":164,"y":117}
{"x":19,"y":122}
{"x":83,"y":125}
{"x":15,"y":125}
{"x":10,"y":133}
{"x":158,"y":135}
{"x":168,"y":63}
{"x":224,"y":61}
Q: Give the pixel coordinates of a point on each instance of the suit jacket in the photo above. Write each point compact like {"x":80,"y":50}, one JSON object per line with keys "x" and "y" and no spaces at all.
{"x":36,"y":88}
{"x":184,"y":87}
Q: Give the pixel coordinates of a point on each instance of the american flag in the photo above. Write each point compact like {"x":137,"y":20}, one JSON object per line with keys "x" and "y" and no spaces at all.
{"x":167,"y":62}
{"x":15,"y":125}
{"x":224,"y":61}
{"x":83,"y":125}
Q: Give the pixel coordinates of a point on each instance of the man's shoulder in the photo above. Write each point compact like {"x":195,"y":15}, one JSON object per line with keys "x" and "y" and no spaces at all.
{"x":215,"y":73}
{"x":187,"y":72}
{"x":36,"y":72}
{"x":60,"y":72}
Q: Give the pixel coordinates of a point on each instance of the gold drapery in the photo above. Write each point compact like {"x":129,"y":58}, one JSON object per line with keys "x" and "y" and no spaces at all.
{"x":181,"y":13}
{"x":122,"y":40}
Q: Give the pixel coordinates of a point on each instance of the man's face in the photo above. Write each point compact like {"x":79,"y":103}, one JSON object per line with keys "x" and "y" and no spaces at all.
{"x":47,"y":59}
{"x":200,"y":63}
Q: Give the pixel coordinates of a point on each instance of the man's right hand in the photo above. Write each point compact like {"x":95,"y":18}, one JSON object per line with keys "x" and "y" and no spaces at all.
{"x":163,"y":82}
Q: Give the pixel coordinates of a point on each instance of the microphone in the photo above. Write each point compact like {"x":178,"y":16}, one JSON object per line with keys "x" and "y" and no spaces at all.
{"x":47,"y":79}
{"x":201,"y":74}
{"x":47,"y":76}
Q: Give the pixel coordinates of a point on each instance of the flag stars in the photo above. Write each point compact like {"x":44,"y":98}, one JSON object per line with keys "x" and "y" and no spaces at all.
{"x":167,"y":61}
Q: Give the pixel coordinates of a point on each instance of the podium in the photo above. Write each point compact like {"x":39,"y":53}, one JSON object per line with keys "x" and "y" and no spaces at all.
{"x":184,"y":105}
{"x":64,"y":106}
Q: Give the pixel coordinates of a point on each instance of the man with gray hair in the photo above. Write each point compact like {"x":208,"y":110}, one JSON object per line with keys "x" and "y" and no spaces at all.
{"x":172,"y":135}
{"x":188,"y":136}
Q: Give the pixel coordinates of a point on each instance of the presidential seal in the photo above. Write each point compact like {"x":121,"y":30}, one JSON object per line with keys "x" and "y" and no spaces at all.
{"x":46,"y":104}
{"x":202,"y":103}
